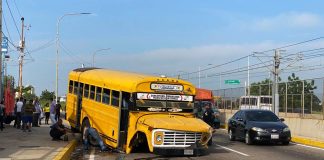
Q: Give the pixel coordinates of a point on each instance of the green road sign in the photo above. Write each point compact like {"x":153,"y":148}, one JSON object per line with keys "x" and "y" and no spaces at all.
{"x":232,"y":81}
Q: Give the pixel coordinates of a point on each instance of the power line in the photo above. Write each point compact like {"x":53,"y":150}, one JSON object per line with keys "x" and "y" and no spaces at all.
{"x":17,"y":8}
{"x":14,"y":20}
{"x":69,"y":53}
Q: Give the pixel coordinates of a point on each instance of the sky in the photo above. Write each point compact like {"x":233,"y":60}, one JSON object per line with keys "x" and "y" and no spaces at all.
{"x":163,"y":37}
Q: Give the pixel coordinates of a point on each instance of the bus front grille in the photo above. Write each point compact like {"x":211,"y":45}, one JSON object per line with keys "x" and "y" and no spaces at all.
{"x":179,"y":138}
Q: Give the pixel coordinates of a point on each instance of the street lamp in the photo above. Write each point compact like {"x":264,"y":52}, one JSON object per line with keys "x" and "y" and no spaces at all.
{"x":58,"y":46}
{"x":199,"y":74}
{"x":94,"y":53}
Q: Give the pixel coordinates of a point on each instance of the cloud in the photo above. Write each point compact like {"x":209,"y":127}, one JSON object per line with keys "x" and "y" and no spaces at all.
{"x":172,"y":60}
{"x":291,"y":20}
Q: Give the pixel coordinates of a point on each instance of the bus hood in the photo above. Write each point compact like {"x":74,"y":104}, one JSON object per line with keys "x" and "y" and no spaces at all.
{"x":174,"y":122}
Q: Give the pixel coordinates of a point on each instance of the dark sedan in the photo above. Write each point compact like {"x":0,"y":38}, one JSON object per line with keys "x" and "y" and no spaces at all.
{"x":258,"y":125}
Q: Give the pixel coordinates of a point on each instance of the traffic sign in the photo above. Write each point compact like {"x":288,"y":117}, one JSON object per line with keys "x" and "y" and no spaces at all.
{"x":232,"y":81}
{"x":4,"y":45}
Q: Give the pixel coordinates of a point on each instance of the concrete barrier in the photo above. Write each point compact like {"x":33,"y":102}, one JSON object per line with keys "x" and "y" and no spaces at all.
{"x":304,"y":130}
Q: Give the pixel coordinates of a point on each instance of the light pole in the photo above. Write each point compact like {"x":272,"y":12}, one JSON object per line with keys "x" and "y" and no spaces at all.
{"x":199,"y":74}
{"x":95,"y":52}
{"x":58,"y":46}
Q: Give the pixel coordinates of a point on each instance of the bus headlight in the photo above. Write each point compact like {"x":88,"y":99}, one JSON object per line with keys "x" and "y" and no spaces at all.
{"x":158,"y":138}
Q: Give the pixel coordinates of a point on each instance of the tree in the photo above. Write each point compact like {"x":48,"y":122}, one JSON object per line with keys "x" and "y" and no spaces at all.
{"x":27,"y":92}
{"x":261,"y":88}
{"x":47,"y":95}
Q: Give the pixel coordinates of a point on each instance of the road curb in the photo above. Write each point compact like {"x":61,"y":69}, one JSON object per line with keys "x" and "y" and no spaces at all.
{"x":305,"y":141}
{"x":65,"y":153}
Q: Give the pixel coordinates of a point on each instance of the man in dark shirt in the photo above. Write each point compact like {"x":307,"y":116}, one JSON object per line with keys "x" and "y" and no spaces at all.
{"x":57,"y":110}
{"x":28,"y":115}
{"x":57,"y":130}
{"x":208,"y":116}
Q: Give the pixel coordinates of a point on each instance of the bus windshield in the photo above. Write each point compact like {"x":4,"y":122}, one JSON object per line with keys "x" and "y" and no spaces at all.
{"x":164,"y":103}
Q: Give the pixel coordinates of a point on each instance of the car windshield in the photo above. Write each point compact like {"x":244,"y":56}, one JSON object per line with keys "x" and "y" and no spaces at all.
{"x":263,"y":116}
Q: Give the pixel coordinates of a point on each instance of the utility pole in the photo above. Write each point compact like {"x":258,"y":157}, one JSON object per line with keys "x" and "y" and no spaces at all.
{"x":275,"y":94}
{"x":1,"y":85}
{"x":21,"y":56}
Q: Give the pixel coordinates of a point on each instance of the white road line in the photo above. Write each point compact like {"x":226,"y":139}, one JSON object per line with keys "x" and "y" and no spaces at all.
{"x":92,"y":154}
{"x":233,"y":150}
{"x":307,"y":146}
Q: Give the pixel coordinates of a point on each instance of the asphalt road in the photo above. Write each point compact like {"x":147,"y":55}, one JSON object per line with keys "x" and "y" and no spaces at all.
{"x":222,"y":149}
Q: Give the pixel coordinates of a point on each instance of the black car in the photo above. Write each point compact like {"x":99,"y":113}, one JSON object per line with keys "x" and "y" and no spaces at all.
{"x":258,"y":125}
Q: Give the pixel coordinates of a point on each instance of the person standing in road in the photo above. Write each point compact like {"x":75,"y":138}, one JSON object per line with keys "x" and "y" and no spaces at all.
{"x":15,"y":112}
{"x":57,"y":110}
{"x":208,"y":115}
{"x":28,"y":115}
{"x":208,"y":118}
{"x":52,"y":111}
{"x":47,"y":112}
{"x":36,"y":115}
{"x":19,"y":106}
{"x":2,"y":113}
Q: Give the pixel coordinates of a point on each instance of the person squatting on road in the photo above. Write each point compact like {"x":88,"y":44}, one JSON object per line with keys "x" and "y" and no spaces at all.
{"x":89,"y":131}
{"x":28,"y":115}
{"x":57,"y":130}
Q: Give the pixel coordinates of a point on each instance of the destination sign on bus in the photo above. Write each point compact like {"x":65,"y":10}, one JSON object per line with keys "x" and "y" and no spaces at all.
{"x":166,"y":87}
{"x":168,"y":97}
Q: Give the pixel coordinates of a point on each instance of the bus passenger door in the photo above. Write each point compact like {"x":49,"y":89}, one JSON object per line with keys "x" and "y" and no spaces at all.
{"x":79,"y":106}
{"x":123,"y":120}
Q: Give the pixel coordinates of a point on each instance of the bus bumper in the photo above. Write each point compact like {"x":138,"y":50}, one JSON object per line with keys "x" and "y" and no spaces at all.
{"x":194,"y":150}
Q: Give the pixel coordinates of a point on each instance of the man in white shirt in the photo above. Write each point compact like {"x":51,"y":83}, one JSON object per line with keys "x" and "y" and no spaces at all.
{"x":19,"y":108}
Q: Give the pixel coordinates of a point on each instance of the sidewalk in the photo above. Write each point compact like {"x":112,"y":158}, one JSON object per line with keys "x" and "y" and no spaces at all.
{"x":37,"y":144}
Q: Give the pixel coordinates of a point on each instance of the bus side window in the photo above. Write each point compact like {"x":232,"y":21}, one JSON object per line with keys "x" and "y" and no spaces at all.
{"x":70,"y":86}
{"x":92,"y":92}
{"x":75,"y":90}
{"x":86,"y":91}
{"x":106,"y":96}
{"x":98,"y":94}
{"x":115,"y":98}
{"x":81,"y":89}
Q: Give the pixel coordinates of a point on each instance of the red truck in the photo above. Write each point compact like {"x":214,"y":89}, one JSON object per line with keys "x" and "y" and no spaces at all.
{"x":203,"y":97}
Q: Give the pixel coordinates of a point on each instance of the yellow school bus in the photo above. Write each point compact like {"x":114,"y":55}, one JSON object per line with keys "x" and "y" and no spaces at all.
{"x":130,"y":110}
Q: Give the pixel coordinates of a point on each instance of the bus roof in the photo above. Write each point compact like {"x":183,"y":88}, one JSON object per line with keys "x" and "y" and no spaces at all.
{"x":129,"y":80}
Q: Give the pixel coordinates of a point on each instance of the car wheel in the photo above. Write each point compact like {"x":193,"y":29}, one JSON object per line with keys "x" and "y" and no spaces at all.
{"x":230,"y":135}
{"x":285,"y":143}
{"x":248,"y":140}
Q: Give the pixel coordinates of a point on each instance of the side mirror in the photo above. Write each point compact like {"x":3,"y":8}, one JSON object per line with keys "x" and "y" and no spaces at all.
{"x":282,"y":119}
